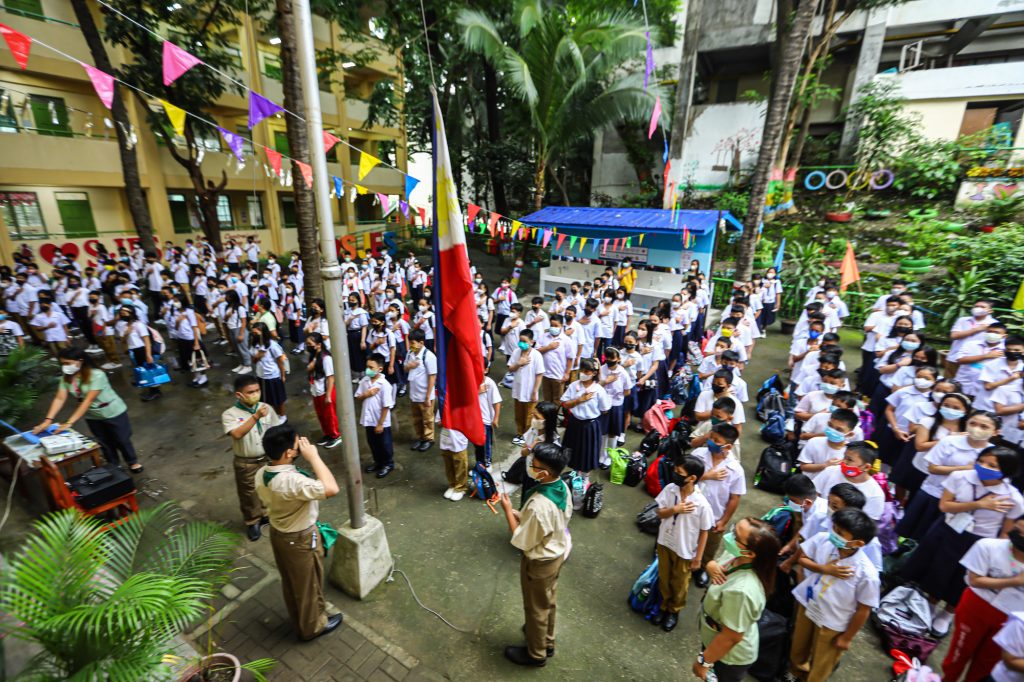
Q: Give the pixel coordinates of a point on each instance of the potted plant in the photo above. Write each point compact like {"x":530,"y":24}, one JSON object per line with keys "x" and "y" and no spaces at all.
{"x":1005,"y":207}
{"x":106,"y":602}
{"x":764,"y":252}
{"x":841,"y":211}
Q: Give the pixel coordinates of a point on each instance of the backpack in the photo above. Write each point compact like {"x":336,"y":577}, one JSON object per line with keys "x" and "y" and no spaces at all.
{"x":770,"y":403}
{"x":773,"y":649}
{"x":644,"y":596}
{"x":516,"y":473}
{"x":620,"y":458}
{"x":656,"y":419}
{"x":780,"y":518}
{"x":658,"y":475}
{"x":636,"y":467}
{"x":650,"y":443}
{"x":772,"y":383}
{"x":773,"y":430}
{"x":648,"y":520}
{"x":892,"y":564}
{"x":774,"y":467}
{"x":677,"y":388}
{"x":483,"y":484}
{"x":593,"y":500}
{"x":904,"y":619}
{"x":867,"y":423}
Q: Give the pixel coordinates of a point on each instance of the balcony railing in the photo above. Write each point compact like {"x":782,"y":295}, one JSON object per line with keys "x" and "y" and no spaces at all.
{"x":33,"y":15}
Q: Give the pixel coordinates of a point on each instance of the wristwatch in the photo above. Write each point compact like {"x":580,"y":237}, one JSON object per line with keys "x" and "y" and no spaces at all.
{"x":704,"y":663}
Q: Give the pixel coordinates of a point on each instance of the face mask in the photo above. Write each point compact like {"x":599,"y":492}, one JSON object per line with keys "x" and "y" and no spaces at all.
{"x":937,"y":397}
{"x":3,"y":316}
{"x":630,"y":346}
{"x":677,"y":304}
{"x":987,"y":474}
{"x":910,"y":345}
{"x":523,"y":345}
{"x":68,"y":370}
{"x":1016,"y":539}
{"x":679,"y":479}
{"x":895,"y":292}
{"x":713,"y":447}
{"x":901,"y":331}
{"x":923,"y":384}
{"x":1013,"y":355}
{"x":608,"y":299}
{"x":730,"y":546}
{"x":726,"y":333}
{"x":770,"y":275}
{"x":828,"y":389}
{"x":587,"y":376}
{"x":830,"y":295}
{"x":813,"y":334}
{"x":836,"y":540}
{"x":993,"y":337}
{"x":951,"y":413}
{"x":850,"y":471}
{"x":979,"y":433}
{"x":834,"y":435}
{"x":795,"y":508}
{"x":978,"y":311}
{"x":423,"y":308}
{"x":554,"y":331}
{"x":718,"y":389}
{"x":249,"y":400}
{"x":370,"y":372}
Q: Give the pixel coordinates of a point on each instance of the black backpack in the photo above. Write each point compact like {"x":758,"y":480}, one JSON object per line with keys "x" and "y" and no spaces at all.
{"x":593,"y":500}
{"x":648,"y":520}
{"x":773,"y":650}
{"x":483,"y":483}
{"x":636,"y":467}
{"x":516,"y":473}
{"x":649,"y":444}
{"x":775,"y":467}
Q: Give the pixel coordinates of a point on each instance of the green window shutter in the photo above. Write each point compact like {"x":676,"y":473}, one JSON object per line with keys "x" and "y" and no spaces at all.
{"x":44,"y":117}
{"x":288,"y":212}
{"x":281,"y":142}
{"x":32,"y":9}
{"x":179,"y":213}
{"x":76,"y":217}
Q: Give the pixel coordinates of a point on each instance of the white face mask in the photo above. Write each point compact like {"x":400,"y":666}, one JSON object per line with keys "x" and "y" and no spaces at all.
{"x":537,"y":425}
{"x":923,"y":384}
{"x":68,"y":370}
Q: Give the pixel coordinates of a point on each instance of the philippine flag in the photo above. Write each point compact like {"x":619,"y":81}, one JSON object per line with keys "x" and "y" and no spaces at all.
{"x":459,"y":353}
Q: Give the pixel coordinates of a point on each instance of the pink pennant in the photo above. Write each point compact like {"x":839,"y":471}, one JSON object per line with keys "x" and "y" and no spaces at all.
{"x":19,"y":44}
{"x":547,"y":238}
{"x":471,"y":212}
{"x":492,"y":221}
{"x":103,"y":83}
{"x":423,"y":216}
{"x":275,"y":161}
{"x":558,"y":244}
{"x":330,"y":141}
{"x":177,"y":62}
{"x":307,"y":173}
{"x":604,"y":247}
{"x":384,"y":202}
{"x":654,"y":117}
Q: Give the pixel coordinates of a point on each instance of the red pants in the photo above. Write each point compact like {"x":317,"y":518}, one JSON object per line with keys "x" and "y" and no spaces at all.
{"x":976,"y":623}
{"x":326,"y":414}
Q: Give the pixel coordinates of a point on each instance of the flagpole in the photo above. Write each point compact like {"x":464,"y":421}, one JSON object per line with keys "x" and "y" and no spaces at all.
{"x":330,"y":270}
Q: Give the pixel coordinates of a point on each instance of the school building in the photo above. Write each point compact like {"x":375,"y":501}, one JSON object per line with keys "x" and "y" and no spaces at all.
{"x":60,"y":171}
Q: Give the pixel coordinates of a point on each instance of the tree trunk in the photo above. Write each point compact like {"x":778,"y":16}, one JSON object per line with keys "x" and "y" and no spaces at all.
{"x":494,"y":137}
{"x":538,"y":182}
{"x":137,"y":206}
{"x":791,"y":54}
{"x":801,"y":139}
{"x":298,"y":145}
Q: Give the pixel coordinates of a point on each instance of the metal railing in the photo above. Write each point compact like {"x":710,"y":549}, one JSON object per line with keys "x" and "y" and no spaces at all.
{"x":34,"y":15}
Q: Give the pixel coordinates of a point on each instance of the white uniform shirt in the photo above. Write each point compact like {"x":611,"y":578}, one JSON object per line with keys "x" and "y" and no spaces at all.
{"x":372,"y":406}
{"x":590,"y":409}
{"x":680,"y":533}
{"x":875,"y":504}
{"x":817,"y":451}
{"x":266,"y":366}
{"x":419,"y":375}
{"x":558,"y":359}
{"x":719,"y":491}
{"x":318,"y":386}
{"x":1005,"y":396}
{"x":967,"y":487}
{"x":830,"y":602}
{"x":1011,"y":639}
{"x":993,"y":558}
{"x":488,"y":397}
{"x":524,"y":381}
{"x":951,"y":451}
{"x":57,"y":318}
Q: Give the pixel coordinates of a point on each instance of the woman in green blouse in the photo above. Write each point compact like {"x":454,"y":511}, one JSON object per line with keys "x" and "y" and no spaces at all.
{"x":734,"y":602}
{"x":104,"y":411}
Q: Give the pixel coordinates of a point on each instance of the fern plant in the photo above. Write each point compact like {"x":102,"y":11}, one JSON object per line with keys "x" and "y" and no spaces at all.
{"x":24,"y":375}
{"x":106,"y":603}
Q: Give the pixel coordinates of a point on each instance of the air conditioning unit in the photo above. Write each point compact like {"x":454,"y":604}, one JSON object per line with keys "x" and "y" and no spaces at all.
{"x":910,"y":56}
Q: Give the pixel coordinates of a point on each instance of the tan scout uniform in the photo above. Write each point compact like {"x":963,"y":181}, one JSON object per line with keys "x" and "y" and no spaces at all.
{"x":293,"y":500}
{"x":544,"y":540}
{"x":249,"y":457}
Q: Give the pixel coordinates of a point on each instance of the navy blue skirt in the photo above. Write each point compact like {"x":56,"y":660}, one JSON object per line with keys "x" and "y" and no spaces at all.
{"x":678,"y":348}
{"x":867,"y":378}
{"x":644,"y":401}
{"x":612,"y":420}
{"x":583,"y":437}
{"x":661,"y":375}
{"x":921,"y":513}
{"x":767,"y":317}
{"x":273,"y":392}
{"x":904,"y":473}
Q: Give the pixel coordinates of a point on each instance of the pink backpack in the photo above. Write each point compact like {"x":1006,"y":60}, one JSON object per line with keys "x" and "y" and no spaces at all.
{"x":656,"y":419}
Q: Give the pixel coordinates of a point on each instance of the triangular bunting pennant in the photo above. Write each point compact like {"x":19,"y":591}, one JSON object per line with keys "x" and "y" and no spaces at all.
{"x":642,"y":235}
{"x":385,"y":203}
{"x":492,"y":223}
{"x":234,"y":143}
{"x":628,"y":239}
{"x":19,"y":44}
{"x":410,"y":185}
{"x":404,"y":207}
{"x":547,"y":238}
{"x":533,"y":232}
{"x":103,"y":83}
{"x":361,"y":190}
{"x":366,"y":164}
{"x":307,"y":173}
{"x":423,"y":216}
{"x":177,"y":62}
{"x":260,"y":107}
{"x":654,"y":117}
{"x":595,"y":245}
{"x":274,"y":159}
{"x":338,"y":188}
{"x":561,"y":239}
{"x":471,"y":211}
{"x":329,"y":141}
{"x":572,"y":242}
{"x":604,"y":247}
{"x":583,"y":242}
{"x":537,"y":235}
{"x":176,"y":115}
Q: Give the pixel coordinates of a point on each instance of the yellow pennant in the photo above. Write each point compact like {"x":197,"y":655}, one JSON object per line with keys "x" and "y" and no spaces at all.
{"x":642,"y":235}
{"x":366,"y":164}
{"x":361,"y":190}
{"x":516,"y":225}
{"x":176,"y":116}
{"x":583,"y":242}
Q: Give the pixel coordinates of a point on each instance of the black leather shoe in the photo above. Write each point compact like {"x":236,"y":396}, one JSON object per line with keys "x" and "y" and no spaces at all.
{"x":658,"y":618}
{"x":370,"y":468}
{"x":425,"y":445}
{"x":701,"y":579}
{"x":332,"y":624}
{"x":416,"y":445}
{"x":520,"y":656}
{"x":253,"y":532}
{"x":551,"y":651}
{"x":670,"y":622}
{"x":385,"y":470}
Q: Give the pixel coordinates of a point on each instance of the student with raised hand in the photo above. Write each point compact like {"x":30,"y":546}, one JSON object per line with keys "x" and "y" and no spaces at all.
{"x":839,"y":590}
{"x":978,"y":502}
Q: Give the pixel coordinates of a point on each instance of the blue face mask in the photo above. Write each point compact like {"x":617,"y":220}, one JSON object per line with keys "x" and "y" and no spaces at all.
{"x":713,"y":447}
{"x":834,"y":435}
{"x":523,"y":345}
{"x":126,"y":301}
{"x":987,"y":474}
{"x":813,"y":334}
{"x":836,"y":540}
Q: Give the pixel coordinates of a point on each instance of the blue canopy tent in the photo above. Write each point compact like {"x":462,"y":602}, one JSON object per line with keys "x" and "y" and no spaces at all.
{"x":663,"y":232}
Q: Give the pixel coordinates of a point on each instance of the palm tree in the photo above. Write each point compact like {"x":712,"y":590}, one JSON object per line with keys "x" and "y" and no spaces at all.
{"x":105,"y":603}
{"x":567,"y":71}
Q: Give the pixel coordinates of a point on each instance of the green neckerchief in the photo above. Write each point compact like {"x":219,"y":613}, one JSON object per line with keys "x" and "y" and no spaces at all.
{"x":328,"y":534}
{"x":555,"y":491}
{"x":251,"y":410}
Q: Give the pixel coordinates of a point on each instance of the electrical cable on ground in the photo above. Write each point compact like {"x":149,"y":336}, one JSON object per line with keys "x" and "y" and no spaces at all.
{"x":391,"y":578}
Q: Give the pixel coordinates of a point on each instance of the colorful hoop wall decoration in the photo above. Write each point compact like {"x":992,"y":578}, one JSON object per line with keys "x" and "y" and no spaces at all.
{"x":856,"y":180}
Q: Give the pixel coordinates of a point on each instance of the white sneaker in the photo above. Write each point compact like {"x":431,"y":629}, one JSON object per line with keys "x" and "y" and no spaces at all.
{"x":94,"y":349}
{"x":456,"y":496}
{"x":518,"y":440}
{"x":110,"y":365}
{"x":331,"y":443}
{"x":448,"y":493}
{"x":941,"y":623}
{"x":622,"y":439}
{"x":282,"y":419}
{"x":245,"y":370}
{"x":236,"y":369}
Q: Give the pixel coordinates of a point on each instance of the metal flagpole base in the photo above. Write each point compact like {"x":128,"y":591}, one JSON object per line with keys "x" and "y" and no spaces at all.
{"x":362,"y":558}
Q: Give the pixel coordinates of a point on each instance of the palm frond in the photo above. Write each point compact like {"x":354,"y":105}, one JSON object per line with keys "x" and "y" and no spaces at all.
{"x":481,"y":36}
{"x":137,"y":540}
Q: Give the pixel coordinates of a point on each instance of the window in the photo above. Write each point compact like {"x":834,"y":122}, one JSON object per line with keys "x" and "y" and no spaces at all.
{"x":288,"y":212}
{"x":271,"y":66}
{"x":224,"y":211}
{"x":50,"y":115}
{"x":246,"y":135}
{"x":75,"y":214}
{"x":254,"y":207}
{"x":181,"y":217}
{"x":22,"y":215}
{"x":8,"y":117}
{"x":25,"y":8}
{"x":281,"y":142}
{"x":233,"y":55}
